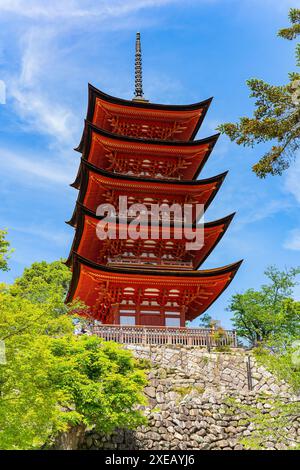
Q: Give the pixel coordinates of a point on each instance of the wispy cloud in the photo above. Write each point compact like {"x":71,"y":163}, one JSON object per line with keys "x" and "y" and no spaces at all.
{"x":293,"y":240}
{"x":78,"y":8}
{"x":36,"y":88}
{"x":21,"y":165}
{"x":44,"y":62}
{"x":47,"y":233}
{"x":43,"y":116}
{"x":259,"y":213}
{"x":42,"y":38}
{"x":292,"y":179}
{"x":70,"y":9}
{"x":281,"y":5}
{"x":27,"y":88}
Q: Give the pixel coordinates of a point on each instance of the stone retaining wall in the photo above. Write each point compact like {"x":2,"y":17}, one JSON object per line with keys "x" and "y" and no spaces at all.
{"x":197,"y":400}
{"x":216,"y":371}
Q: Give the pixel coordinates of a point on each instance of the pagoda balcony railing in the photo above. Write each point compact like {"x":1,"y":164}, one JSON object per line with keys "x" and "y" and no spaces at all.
{"x":149,"y":215}
{"x":145,"y":174}
{"x":148,"y":262}
{"x":160,"y":335}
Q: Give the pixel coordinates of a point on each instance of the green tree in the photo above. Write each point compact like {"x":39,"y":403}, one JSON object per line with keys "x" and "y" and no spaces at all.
{"x":281,"y":356}
{"x":54,"y":381}
{"x":28,"y":403}
{"x":273,"y":422}
{"x":102,"y":384}
{"x":205,"y":321}
{"x":5,"y":252}
{"x":270,"y":320}
{"x":268,"y":312}
{"x":43,"y":282}
{"x":276,"y":117}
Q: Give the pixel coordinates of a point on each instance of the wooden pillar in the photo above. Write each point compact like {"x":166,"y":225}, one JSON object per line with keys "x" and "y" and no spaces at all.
{"x":137,"y":306}
{"x":115,"y":314}
{"x":182,"y":315}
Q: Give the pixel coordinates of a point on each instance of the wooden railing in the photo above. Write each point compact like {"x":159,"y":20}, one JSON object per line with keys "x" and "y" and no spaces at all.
{"x":150,"y":262}
{"x":205,"y":337}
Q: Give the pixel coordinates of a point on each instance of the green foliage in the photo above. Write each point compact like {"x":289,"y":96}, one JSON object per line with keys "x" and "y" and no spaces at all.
{"x":28,"y":402}
{"x":294,"y":30}
{"x":217,"y":335}
{"x":5,"y":252}
{"x":223,"y":348}
{"x":183,"y":391}
{"x":100,"y":381}
{"x":276,"y":116}
{"x":279,"y":356}
{"x":43,"y":282}
{"x":205,"y":321}
{"x":270,"y":318}
{"x":53,"y":380}
{"x":144,"y":364}
{"x":156,"y":410}
{"x":260,"y":315}
{"x":271,"y":420}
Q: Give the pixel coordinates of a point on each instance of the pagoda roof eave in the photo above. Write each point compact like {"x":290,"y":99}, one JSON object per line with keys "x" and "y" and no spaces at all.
{"x":140,"y":272}
{"x":140,"y":275}
{"x":129,"y":178}
{"x":81,"y":208}
{"x":215,"y":179}
{"x":146,"y":104}
{"x":90,"y":128}
{"x":94,"y":93}
{"x":225,"y":221}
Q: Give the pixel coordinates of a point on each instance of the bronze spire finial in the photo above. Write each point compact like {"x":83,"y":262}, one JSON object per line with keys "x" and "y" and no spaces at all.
{"x":138,"y":91}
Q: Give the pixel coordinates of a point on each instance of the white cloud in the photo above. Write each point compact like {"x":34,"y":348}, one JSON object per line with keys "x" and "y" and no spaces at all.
{"x":45,"y":63}
{"x":293,"y":240}
{"x":45,"y":26}
{"x":262,"y":212}
{"x":44,"y":116}
{"x":34,"y":88}
{"x":34,"y":58}
{"x":47,"y":233}
{"x":38,"y":111}
{"x":37,"y":170}
{"x":281,"y":5}
{"x":79,"y":9}
{"x":292,"y":179}
{"x":269,"y":209}
{"x":91,"y":10}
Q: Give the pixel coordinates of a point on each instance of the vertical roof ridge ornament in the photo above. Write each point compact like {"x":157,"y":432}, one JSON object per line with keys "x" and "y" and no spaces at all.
{"x":138,"y":89}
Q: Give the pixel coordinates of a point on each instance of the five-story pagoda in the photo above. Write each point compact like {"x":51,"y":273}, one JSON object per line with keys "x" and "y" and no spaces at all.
{"x":147,"y":153}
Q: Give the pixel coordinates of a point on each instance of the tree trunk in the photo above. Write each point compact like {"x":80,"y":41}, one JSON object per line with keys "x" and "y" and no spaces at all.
{"x":71,"y":439}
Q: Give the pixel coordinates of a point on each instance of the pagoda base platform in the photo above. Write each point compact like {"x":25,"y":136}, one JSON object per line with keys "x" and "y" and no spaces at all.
{"x":158,"y":335}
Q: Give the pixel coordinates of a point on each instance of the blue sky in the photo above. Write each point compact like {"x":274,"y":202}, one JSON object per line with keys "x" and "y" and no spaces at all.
{"x":191,"y":50}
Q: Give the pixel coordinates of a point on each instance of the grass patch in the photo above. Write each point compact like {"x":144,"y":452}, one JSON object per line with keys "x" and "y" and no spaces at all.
{"x":183,"y":391}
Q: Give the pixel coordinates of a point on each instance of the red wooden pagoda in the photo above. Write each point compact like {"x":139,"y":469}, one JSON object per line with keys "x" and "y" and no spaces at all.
{"x":146,"y":152}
